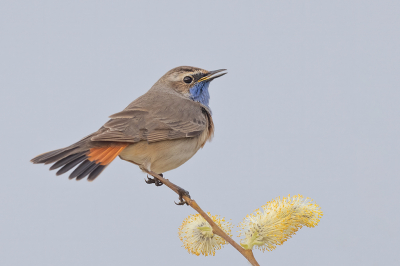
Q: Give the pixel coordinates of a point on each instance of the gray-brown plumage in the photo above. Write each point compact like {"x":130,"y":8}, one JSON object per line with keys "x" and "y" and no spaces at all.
{"x":159,"y":131}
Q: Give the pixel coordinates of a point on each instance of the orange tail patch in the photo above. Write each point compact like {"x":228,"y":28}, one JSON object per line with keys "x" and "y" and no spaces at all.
{"x":105,"y":155}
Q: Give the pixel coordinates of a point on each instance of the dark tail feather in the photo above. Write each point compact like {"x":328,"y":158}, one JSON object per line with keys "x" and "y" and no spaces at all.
{"x":96,"y":172}
{"x":71,"y":165}
{"x":66,"y":160}
{"x":89,"y":161}
{"x":58,"y":157}
{"x":81,"y":169}
{"x":52,"y":156}
{"x":90,"y":169}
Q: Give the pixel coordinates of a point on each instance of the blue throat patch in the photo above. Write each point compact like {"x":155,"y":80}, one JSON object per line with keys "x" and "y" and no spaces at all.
{"x":199,"y":93}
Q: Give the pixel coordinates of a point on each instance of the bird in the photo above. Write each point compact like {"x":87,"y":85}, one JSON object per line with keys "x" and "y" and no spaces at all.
{"x":159,"y":131}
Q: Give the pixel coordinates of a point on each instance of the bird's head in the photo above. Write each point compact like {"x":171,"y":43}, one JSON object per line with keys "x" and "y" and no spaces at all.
{"x":191,"y":82}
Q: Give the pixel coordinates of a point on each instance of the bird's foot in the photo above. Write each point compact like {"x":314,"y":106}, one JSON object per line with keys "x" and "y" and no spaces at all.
{"x":154,"y":180}
{"x":182,"y":193}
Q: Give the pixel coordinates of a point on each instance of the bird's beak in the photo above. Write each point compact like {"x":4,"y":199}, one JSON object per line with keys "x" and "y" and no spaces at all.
{"x":210,"y":75}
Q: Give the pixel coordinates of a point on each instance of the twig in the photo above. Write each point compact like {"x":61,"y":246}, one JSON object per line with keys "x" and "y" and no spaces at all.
{"x":247,"y":253}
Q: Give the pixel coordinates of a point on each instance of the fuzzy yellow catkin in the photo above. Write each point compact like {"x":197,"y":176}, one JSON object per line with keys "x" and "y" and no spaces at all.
{"x":278,"y":220}
{"x":197,"y":236}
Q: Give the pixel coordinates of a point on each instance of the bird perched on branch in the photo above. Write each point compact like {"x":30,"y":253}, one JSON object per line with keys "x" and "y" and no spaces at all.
{"x":159,"y":131}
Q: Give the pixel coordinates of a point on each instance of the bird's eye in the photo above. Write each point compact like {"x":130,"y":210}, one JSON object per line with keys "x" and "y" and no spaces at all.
{"x":187,"y":79}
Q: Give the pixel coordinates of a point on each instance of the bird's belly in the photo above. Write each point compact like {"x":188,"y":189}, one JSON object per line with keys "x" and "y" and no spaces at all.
{"x":162,"y":156}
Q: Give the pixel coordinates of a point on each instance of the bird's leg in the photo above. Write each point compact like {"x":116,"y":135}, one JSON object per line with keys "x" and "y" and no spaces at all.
{"x":181,"y":193}
{"x":154,"y":180}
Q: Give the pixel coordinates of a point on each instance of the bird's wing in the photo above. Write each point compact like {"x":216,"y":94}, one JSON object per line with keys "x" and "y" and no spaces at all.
{"x":165,"y":117}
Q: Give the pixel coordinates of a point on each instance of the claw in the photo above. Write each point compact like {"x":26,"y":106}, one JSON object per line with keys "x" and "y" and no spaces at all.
{"x":156,"y":181}
{"x":182,"y":193}
{"x":149,"y":180}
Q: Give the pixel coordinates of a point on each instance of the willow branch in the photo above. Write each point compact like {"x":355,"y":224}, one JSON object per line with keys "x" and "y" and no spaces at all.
{"x":247,"y":253}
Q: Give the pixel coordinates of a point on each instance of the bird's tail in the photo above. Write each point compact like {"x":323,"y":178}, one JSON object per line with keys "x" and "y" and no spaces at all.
{"x":91,"y":161}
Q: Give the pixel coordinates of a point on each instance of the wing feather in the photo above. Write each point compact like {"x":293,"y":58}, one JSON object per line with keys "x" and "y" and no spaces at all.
{"x":156,"y":119}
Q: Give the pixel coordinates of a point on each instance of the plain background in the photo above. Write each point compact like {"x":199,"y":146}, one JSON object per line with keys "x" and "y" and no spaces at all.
{"x":310,"y":106}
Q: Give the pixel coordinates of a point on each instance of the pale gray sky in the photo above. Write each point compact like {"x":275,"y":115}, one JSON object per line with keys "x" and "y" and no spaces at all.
{"x":310,"y":106}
